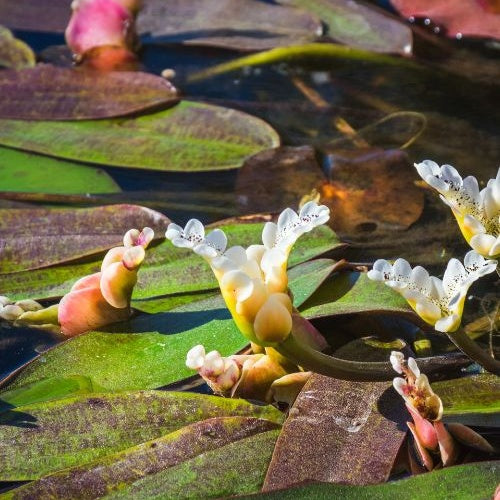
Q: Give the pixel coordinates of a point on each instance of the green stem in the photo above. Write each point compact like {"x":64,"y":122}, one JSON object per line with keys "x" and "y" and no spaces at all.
{"x":310,"y":359}
{"x":469,"y":347}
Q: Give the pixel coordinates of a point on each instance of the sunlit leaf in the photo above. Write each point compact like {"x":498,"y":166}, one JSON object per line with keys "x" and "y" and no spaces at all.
{"x":50,"y":93}
{"x":43,"y":237}
{"x":49,"y":436}
{"x":204,"y":448}
{"x":31,"y":173}
{"x":235,"y":24}
{"x":359,"y":25}
{"x":332,"y":424}
{"x":14,"y":53}
{"x":188,"y":137}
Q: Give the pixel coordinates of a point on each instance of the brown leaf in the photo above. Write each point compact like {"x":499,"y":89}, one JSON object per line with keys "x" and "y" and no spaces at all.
{"x":371,"y":189}
{"x":50,"y":93}
{"x":237,"y":24}
{"x":331,"y":427}
{"x":35,"y":238}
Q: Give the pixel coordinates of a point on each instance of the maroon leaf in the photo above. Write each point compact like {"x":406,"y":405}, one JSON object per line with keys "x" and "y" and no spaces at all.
{"x":339,"y":432}
{"x":466,"y":17}
{"x":50,"y":93}
{"x":27,"y":236}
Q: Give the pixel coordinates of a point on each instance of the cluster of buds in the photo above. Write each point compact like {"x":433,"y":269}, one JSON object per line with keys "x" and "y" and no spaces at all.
{"x":263,"y":376}
{"x":95,"y":300}
{"x":254,"y":281}
{"x":102,"y":32}
{"x":12,"y":310}
{"x":437,"y":444}
{"x":477,"y":212}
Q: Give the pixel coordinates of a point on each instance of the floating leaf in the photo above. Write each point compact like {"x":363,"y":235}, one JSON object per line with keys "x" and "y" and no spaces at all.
{"x":330,"y":426}
{"x":14,"y":53}
{"x":50,"y":93}
{"x":116,"y":361}
{"x":234,"y":24}
{"x":352,"y":292}
{"x":359,"y":25}
{"x":207,"y":438}
{"x":30,"y":173}
{"x":26,"y":15}
{"x":188,"y":137}
{"x":39,"y":237}
{"x":236,"y":468}
{"x":46,"y":437}
{"x":167,"y":270}
{"x":471,"y":400}
{"x":464,"y":18}
{"x":464,"y":482}
{"x":307,"y":51}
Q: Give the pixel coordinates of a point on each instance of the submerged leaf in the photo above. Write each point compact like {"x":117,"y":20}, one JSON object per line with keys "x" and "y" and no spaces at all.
{"x":235,"y":24}
{"x":188,"y":137}
{"x":50,"y":93}
{"x":43,"y":237}
{"x":359,"y":25}
{"x":14,"y":53}
{"x":26,"y":15}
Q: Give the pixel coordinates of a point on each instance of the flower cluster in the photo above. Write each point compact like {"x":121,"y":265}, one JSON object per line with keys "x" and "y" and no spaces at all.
{"x":477,"y":212}
{"x":10,"y":310}
{"x":254,"y":281}
{"x":438,"y":302}
{"x":265,"y":377}
{"x":436,"y":443}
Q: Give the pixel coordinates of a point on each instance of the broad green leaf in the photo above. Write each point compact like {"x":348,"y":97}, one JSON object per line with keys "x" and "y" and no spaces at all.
{"x":333,"y":424}
{"x":45,"y":390}
{"x":112,"y":473}
{"x":48,"y":92}
{"x":150,"y":351}
{"x":50,"y":436}
{"x":14,"y":53}
{"x":166,"y":270}
{"x":359,"y":25}
{"x":473,"y":400}
{"x":236,"y":468}
{"x":327,"y":51}
{"x":188,"y":137}
{"x":461,"y":482}
{"x":352,"y":292}
{"x":163,"y":304}
{"x":43,"y":237}
{"x":31,"y":173}
{"x":232,"y":24}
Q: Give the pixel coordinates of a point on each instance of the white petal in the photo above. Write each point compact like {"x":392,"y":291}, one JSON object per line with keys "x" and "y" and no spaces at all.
{"x":399,"y":384}
{"x":484,"y":244}
{"x":454,"y":276}
{"x":287,"y":220}
{"x":10,"y":312}
{"x":471,"y":187}
{"x":213,"y":365}
{"x":173,"y":231}
{"x":217,"y":239}
{"x":272,"y":258}
{"x":495,"y":248}
{"x":401,"y":270}
{"x":239,"y":283}
{"x":269,"y":234}
{"x":375,"y":275}
{"x":5,"y":300}
{"x":420,"y":279}
{"x":255,"y":252}
{"x":397,"y":358}
{"x":450,"y":174}
{"x":237,"y":254}
{"x":195,"y":357}
{"x":448,"y":323}
{"x":473,"y":225}
{"x":194,"y":231}
{"x":428,"y":310}
{"x":412,"y":365}
{"x":130,"y":237}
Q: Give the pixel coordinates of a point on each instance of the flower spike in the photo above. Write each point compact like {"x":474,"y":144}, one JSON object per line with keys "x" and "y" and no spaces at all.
{"x":477,"y":212}
{"x":254,"y":281}
{"x":438,"y":302}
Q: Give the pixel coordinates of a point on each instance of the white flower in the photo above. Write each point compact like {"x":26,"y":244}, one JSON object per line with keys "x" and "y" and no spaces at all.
{"x":477,"y":212}
{"x":253,"y":281}
{"x":221,"y":374}
{"x":438,"y":302}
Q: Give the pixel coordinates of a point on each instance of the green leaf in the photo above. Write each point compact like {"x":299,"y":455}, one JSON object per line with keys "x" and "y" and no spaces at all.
{"x":153,"y":353}
{"x":188,"y":137}
{"x":45,"y":237}
{"x":470,"y":400}
{"x":31,"y":173}
{"x":205,"y":440}
{"x":46,"y":437}
{"x":14,"y":53}
{"x":236,"y":468}
{"x":45,"y":390}
{"x":167,"y":270}
{"x":352,"y":292}
{"x":359,"y":25}
{"x":461,"y":482}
